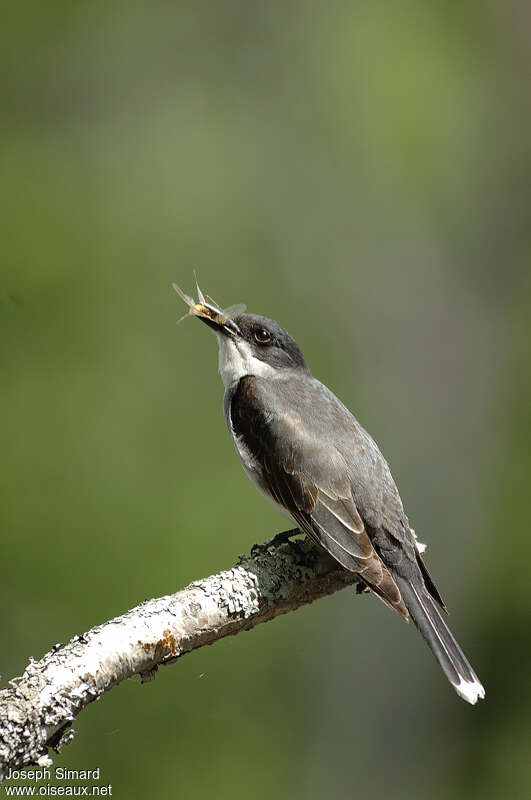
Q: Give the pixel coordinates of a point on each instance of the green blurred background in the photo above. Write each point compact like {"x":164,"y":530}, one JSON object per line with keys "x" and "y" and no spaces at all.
{"x":361,"y":172}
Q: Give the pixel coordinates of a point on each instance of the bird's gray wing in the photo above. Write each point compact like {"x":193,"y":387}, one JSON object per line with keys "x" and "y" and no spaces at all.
{"x":309,"y":479}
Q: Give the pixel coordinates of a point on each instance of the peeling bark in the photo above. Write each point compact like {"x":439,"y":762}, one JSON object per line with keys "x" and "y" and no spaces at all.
{"x":37,"y":709}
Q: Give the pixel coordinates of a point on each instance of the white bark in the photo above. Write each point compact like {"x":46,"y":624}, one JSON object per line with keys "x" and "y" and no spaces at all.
{"x":36,"y":710}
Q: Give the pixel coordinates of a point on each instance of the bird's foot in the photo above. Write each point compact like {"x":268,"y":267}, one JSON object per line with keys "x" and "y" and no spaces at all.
{"x":275,"y":541}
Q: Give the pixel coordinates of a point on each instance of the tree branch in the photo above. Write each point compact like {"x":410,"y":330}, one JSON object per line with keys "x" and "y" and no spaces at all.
{"x":36,"y":710}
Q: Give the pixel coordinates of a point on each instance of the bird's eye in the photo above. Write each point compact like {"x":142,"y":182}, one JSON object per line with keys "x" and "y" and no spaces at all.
{"x":262,"y":336}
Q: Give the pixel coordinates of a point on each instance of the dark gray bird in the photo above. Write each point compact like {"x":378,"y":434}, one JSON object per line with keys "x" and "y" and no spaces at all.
{"x":308,"y":454}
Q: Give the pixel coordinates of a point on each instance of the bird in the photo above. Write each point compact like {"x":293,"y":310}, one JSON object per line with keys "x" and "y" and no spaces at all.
{"x":308,"y":454}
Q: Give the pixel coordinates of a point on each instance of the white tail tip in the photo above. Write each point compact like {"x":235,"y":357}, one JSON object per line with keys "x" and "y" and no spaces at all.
{"x":471,"y":691}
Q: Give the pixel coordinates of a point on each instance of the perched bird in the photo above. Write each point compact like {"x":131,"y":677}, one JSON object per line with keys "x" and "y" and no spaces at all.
{"x":309,"y":455}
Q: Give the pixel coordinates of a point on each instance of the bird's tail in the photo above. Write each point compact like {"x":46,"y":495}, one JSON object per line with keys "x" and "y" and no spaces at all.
{"x":426,"y":616}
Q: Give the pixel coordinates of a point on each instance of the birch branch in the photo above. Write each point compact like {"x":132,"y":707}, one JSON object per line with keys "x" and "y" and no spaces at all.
{"x":37,"y":709}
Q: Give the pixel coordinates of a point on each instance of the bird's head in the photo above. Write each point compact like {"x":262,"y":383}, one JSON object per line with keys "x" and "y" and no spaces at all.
{"x":248,"y":344}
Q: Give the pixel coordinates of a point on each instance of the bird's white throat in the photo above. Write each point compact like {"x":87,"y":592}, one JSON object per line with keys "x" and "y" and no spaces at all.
{"x":236,"y":359}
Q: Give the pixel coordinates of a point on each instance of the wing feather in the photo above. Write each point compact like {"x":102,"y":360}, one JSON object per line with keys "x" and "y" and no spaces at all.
{"x":311,"y":483}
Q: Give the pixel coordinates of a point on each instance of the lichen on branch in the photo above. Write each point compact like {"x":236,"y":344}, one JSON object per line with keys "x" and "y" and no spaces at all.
{"x":38,"y":708}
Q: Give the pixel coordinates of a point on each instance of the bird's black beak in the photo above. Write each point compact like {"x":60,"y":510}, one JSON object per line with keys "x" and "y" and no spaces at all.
{"x":217,"y":318}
